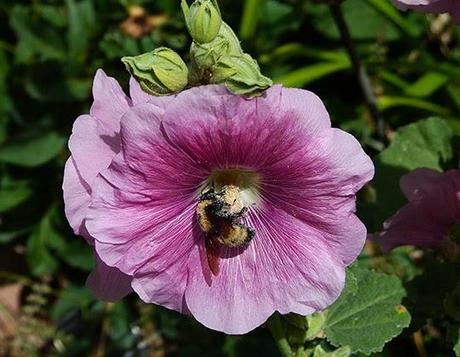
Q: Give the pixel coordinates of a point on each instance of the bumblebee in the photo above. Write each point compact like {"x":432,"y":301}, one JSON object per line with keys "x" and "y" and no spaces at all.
{"x":218,"y":214}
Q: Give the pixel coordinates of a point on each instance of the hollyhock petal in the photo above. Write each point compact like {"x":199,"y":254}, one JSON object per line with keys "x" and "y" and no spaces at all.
{"x":325,"y":179}
{"x":136,"y":234}
{"x":91,"y":151}
{"x":108,"y":283}
{"x":286,"y":268}
{"x":432,"y":211}
{"x":138,"y":96}
{"x":432,"y":6}
{"x":419,"y":182}
{"x":201,"y":108}
{"x":455,"y":13}
{"x":352,"y":167}
{"x":76,"y":197}
{"x":110,"y":103}
{"x":347,"y":238}
{"x":320,"y":188}
{"x":164,"y":278}
{"x":307,"y":107}
{"x":413,"y":225}
{"x":143,"y":211}
{"x":93,"y":144}
{"x":131,"y":223}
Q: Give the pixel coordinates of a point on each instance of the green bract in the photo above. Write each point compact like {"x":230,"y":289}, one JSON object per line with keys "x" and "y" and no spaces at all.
{"x":159,"y":72}
{"x":241,"y":75}
{"x":225,"y":44}
{"x":203,"y":20}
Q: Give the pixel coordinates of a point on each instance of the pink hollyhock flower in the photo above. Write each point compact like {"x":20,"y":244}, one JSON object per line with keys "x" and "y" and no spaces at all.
{"x":95,"y":140}
{"x":431,"y":213}
{"x":432,"y":6}
{"x":224,"y":208}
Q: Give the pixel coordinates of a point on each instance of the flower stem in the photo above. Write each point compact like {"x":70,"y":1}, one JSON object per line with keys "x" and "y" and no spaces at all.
{"x":360,"y":70}
{"x":276,"y":328}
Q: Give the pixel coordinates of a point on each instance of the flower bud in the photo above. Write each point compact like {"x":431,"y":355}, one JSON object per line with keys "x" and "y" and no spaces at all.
{"x":203,"y":20}
{"x":207,"y":55}
{"x":159,"y":72}
{"x":241,"y":75}
{"x":234,"y":46}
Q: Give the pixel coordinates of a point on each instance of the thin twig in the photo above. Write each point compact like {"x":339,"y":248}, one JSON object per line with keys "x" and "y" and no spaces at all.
{"x":360,"y":70}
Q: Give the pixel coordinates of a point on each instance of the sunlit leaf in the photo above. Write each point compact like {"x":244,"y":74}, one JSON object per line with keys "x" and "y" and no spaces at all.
{"x":387,"y":102}
{"x":308,"y":74}
{"x":367,"y":315}
{"x":427,"y":85}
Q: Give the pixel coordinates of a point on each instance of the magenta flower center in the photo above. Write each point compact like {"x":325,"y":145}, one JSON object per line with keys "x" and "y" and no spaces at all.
{"x":246,"y":180}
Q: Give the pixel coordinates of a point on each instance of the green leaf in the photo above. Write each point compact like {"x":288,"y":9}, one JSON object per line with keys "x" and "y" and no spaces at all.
{"x":45,"y":237}
{"x":457,"y":345}
{"x":77,"y":254}
{"x":290,"y":50}
{"x":323,"y":351}
{"x":39,"y":258}
{"x":8,"y":236}
{"x":427,"y":292}
{"x":276,"y":18}
{"x":82,"y":23}
{"x":34,"y":37}
{"x":315,"y":325}
{"x":72,"y":298}
{"x":390,"y":12}
{"x":120,"y":325}
{"x":367,"y":315}
{"x":13,"y":195}
{"x":387,"y":102}
{"x":308,"y":74}
{"x":394,"y":79}
{"x":427,"y":85}
{"x":51,"y":83}
{"x":250,"y":17}
{"x":426,"y":143}
{"x":365,"y":21}
{"x":32,"y":152}
{"x":454,"y":93}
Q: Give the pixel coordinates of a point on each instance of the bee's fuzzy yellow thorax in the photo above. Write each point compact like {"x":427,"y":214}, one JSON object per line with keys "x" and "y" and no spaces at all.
{"x":218,"y":214}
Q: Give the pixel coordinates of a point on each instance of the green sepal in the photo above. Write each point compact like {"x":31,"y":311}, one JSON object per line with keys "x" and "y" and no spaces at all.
{"x":241,"y":75}
{"x":159,"y":72}
{"x":203,"y":20}
{"x":204,"y":56}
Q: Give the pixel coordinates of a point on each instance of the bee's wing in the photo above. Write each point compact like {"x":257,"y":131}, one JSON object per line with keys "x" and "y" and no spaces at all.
{"x":212,"y":253}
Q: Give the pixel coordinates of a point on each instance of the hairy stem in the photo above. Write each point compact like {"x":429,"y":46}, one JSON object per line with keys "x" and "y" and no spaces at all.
{"x":360,"y":70}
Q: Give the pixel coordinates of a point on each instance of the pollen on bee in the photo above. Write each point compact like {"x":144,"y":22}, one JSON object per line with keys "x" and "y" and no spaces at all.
{"x":236,"y":235}
{"x":203,"y":218}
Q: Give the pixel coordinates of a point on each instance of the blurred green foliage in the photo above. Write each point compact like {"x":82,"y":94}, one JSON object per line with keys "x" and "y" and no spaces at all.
{"x":49,"y":52}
